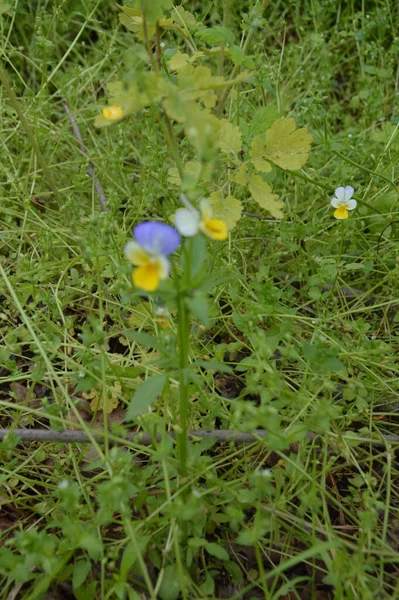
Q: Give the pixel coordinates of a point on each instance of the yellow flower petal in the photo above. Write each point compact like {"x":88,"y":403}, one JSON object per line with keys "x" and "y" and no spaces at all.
{"x":341,"y":212}
{"x":146,"y":277}
{"x":113,"y":112}
{"x":215,"y":228}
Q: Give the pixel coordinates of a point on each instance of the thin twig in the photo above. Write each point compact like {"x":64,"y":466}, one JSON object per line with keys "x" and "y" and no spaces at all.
{"x":221,"y":435}
{"x":90,"y":169}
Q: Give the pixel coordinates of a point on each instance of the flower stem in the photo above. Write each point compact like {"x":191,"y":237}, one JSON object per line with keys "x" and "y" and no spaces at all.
{"x":184,"y":343}
{"x":184,"y":352}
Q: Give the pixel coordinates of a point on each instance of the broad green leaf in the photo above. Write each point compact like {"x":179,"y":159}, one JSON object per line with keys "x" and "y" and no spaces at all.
{"x":228,"y":209}
{"x":80,"y":571}
{"x":217,"y":551}
{"x":287,"y":146}
{"x":215,"y":35}
{"x":262,"y":193}
{"x":257,"y":153}
{"x":184,"y":17}
{"x":229,"y":137}
{"x":199,"y":306}
{"x":143,"y":339}
{"x":263,"y":118}
{"x":178,"y":61}
{"x":239,"y":58}
{"x":170,"y":586}
{"x":240,"y":177}
{"x":149,"y":391}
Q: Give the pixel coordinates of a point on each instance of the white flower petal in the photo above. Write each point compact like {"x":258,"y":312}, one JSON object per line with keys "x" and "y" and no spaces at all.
{"x":163,"y":267}
{"x":340,"y":193}
{"x":349,"y":191}
{"x":351,"y":204}
{"x":206,"y":209}
{"x":186,"y":221}
{"x":135,"y":253}
{"x":335,"y":202}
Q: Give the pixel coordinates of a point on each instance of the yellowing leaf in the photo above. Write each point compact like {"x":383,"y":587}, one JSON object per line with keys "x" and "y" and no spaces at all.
{"x":257,"y":153}
{"x":240,"y":177}
{"x":184,"y":17}
{"x":229,"y":137}
{"x":262,"y":193}
{"x":178,"y":61}
{"x":111,"y":401}
{"x":228,"y":209}
{"x":287,"y":146}
{"x":173,"y":176}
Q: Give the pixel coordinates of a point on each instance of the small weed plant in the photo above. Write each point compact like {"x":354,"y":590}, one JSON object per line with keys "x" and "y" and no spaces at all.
{"x":199,"y":266}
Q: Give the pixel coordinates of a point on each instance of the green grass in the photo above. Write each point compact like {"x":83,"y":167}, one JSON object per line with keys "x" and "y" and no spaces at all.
{"x":304,"y":311}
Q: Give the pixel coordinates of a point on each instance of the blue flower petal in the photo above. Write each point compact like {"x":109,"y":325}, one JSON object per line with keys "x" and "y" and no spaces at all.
{"x":156,"y":238}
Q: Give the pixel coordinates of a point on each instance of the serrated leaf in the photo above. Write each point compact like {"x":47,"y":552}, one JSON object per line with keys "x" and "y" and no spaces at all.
{"x":239,"y":58}
{"x":287,"y":146}
{"x":215,"y":35}
{"x":185,"y":17}
{"x":149,"y":391}
{"x":228,"y":209}
{"x":257,"y":153}
{"x":229,"y":137}
{"x":240,"y":177}
{"x":262,"y":193}
{"x":263,"y":118}
{"x":178,"y":61}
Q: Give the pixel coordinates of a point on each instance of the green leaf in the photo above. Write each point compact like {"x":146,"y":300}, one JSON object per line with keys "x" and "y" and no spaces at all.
{"x":214,"y":365}
{"x":217,"y":551}
{"x":287,"y":146}
{"x":257,"y":153}
{"x":228,"y":209}
{"x":229,"y":137}
{"x":239,"y":58}
{"x":262,"y":194}
{"x":143,"y":339}
{"x":149,"y":391}
{"x":199,"y":306}
{"x":170,"y":586}
{"x":215,"y":35}
{"x":80,"y":572}
{"x":263,"y":118}
{"x":93,"y":544}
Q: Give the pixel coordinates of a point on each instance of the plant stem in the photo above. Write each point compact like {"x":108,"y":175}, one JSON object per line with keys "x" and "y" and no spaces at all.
{"x":29,"y":133}
{"x":184,"y":350}
{"x":184,"y":343}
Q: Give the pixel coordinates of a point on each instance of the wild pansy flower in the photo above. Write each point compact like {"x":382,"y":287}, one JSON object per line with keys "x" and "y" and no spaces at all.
{"x":188,"y":221}
{"x":154,"y":242}
{"x":112,"y":113}
{"x":342,"y":201}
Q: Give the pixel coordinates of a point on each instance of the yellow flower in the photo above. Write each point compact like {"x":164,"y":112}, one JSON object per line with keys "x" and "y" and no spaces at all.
{"x":112,"y":113}
{"x":342,"y":202}
{"x":154,"y":242}
{"x":189,"y":221}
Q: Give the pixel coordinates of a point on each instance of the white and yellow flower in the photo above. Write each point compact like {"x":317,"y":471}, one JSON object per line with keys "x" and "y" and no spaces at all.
{"x":154,"y":242}
{"x":342,"y":202}
{"x":189,"y":221}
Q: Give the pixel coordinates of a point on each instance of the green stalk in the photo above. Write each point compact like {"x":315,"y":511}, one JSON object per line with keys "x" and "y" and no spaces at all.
{"x":29,"y":133}
{"x":183,"y":334}
{"x":184,"y":351}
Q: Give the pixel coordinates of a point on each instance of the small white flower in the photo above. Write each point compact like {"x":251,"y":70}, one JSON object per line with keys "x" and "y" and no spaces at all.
{"x":342,"y":201}
{"x":189,"y":221}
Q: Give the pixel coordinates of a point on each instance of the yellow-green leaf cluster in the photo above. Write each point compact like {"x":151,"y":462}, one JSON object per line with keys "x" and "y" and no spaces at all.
{"x":285,"y":146}
{"x":228,"y":209}
{"x":262,"y":193}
